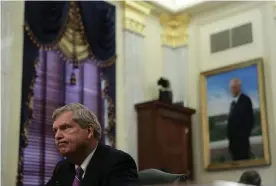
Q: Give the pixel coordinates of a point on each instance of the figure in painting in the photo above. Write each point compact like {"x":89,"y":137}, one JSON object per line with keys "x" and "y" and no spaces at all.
{"x":240,"y":122}
{"x":233,"y":116}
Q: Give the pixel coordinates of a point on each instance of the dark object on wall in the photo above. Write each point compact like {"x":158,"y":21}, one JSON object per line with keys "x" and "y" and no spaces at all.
{"x":165,"y":92}
{"x":231,"y":38}
{"x":154,"y":177}
{"x":164,"y":137}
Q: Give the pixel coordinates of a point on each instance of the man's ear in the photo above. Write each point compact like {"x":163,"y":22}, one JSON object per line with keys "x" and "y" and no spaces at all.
{"x":90,"y":130}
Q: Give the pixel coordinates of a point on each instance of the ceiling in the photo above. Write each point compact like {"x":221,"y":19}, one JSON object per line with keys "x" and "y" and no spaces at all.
{"x":176,"y":5}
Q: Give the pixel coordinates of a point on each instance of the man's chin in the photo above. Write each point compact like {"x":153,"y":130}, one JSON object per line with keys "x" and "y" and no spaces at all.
{"x":64,"y":153}
{"x":67,"y":155}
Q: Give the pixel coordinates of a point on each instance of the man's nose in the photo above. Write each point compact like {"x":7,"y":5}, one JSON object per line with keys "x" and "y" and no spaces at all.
{"x":58,"y":135}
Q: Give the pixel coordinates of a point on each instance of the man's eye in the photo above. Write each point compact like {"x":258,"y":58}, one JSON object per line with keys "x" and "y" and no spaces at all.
{"x":67,"y":127}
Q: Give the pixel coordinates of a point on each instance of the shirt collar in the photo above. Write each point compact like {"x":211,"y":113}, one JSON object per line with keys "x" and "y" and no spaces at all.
{"x":87,"y":160}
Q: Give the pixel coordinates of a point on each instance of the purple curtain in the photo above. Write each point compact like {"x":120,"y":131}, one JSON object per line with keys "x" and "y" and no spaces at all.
{"x":44,"y":25}
{"x":86,"y":90}
{"x":52,"y":90}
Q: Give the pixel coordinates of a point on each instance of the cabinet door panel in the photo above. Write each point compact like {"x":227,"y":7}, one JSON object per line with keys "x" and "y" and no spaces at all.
{"x":172,"y":140}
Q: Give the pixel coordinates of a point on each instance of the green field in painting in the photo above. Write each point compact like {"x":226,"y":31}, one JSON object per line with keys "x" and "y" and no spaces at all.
{"x":218,"y":123}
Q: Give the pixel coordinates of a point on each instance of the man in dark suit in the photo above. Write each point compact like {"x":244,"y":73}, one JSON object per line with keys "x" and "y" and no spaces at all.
{"x":240,"y":122}
{"x":88,"y":163}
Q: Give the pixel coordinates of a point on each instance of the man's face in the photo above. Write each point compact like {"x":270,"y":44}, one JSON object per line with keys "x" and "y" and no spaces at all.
{"x":234,"y":88}
{"x":69,"y":136}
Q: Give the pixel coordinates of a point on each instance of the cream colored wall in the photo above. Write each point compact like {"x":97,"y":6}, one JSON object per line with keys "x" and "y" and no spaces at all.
{"x":153,"y":57}
{"x":153,"y":69}
{"x":200,"y":59}
{"x":11,"y":71}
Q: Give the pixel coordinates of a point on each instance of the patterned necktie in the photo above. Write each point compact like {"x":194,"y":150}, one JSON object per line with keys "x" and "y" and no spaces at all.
{"x":78,"y":177}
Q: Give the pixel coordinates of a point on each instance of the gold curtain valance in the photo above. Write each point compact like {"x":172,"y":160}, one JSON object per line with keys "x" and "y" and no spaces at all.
{"x":72,"y":41}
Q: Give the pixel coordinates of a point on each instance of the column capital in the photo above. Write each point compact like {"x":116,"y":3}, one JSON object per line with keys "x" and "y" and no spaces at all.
{"x":134,"y":16}
{"x":175,"y":29}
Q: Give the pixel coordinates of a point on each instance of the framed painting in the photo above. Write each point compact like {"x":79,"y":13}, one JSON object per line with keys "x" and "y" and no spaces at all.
{"x":234,"y":124}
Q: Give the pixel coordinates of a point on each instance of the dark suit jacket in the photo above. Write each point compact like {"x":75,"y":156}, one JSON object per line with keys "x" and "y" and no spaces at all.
{"x":108,"y":167}
{"x":240,"y":120}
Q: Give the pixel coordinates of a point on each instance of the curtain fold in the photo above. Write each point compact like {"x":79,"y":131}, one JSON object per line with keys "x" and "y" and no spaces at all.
{"x":109,"y":93}
{"x":45,"y":20}
{"x":48,"y":95}
{"x":100,"y":33}
{"x":30,"y":53}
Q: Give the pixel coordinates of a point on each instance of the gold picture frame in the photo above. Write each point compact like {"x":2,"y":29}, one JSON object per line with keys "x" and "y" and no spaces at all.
{"x":222,"y":150}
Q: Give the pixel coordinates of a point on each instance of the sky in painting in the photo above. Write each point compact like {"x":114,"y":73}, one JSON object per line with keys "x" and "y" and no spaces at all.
{"x":218,"y":94}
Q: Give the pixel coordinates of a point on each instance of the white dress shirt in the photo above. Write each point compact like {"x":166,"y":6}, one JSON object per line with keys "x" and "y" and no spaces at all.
{"x":86,"y":162}
{"x":237,"y":98}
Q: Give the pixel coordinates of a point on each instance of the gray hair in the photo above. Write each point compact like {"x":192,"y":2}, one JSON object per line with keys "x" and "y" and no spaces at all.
{"x":82,"y":115}
{"x":235,"y":81}
{"x":251,"y":178}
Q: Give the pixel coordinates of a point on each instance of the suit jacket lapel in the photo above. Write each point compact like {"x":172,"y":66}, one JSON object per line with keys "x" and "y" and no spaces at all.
{"x":240,"y":98}
{"x":68,"y":178}
{"x":92,"y":173}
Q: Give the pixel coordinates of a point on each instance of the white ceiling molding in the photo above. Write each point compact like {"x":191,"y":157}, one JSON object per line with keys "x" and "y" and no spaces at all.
{"x":177,"y":5}
{"x":166,"y":4}
{"x":182,"y":4}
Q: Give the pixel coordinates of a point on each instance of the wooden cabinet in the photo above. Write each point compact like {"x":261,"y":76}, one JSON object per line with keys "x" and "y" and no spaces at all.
{"x":164,"y":137}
